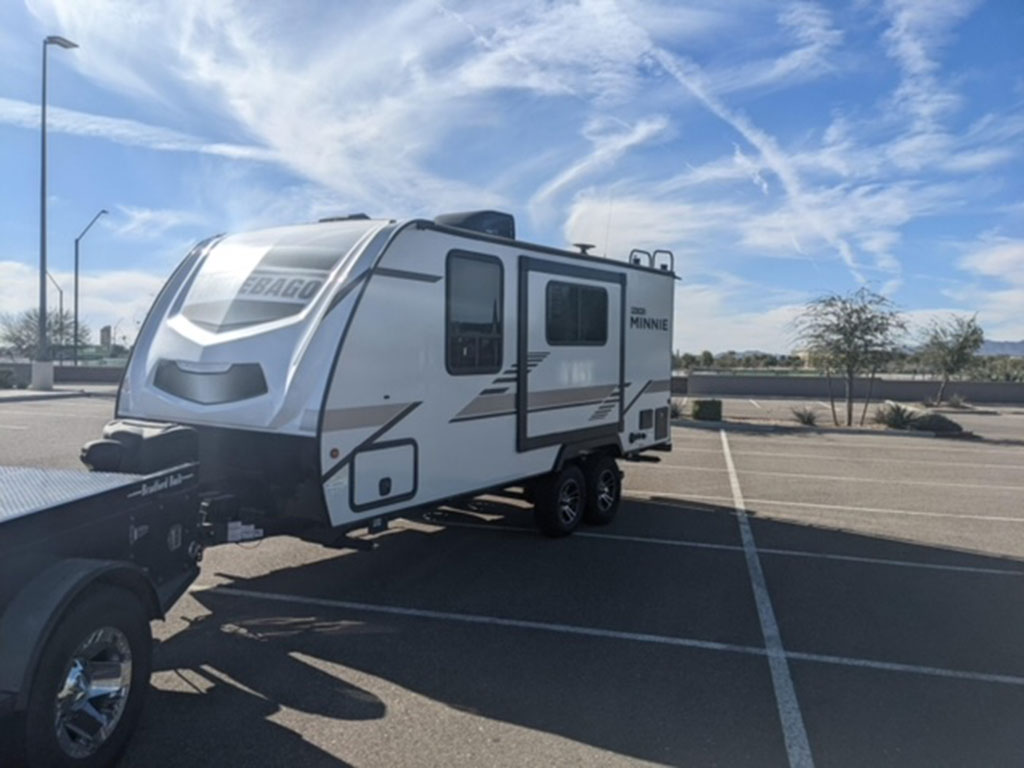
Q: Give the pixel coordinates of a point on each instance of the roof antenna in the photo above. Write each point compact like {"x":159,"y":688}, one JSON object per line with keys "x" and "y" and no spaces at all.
{"x":584,"y":248}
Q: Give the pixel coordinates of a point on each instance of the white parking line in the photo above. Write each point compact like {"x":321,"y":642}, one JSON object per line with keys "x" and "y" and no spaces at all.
{"x":573,"y":629}
{"x":841,"y":458}
{"x":840,"y":478}
{"x":794,"y":733}
{"x":754,"y":403}
{"x":497,"y":621}
{"x":494,"y":527}
{"x":14,"y":427}
{"x":822,"y":404}
{"x":651,"y":498}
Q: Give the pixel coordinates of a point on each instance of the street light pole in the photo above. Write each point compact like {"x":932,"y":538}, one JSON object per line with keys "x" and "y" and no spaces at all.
{"x":77,"y":240}
{"x":42,"y":368}
{"x":60,"y":309}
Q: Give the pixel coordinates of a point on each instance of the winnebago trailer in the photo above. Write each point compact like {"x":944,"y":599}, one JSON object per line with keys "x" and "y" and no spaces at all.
{"x":312,"y":380}
{"x":345,"y":371}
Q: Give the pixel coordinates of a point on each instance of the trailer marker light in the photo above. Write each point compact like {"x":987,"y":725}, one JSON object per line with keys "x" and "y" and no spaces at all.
{"x":334,"y":453}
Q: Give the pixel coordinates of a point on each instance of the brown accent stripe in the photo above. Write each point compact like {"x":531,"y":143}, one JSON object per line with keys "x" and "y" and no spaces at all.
{"x":569,"y":395}
{"x":360,"y":417}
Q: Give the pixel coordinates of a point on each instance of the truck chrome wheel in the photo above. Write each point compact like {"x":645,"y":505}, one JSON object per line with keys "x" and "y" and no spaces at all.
{"x":94,"y":692}
{"x":570,"y":499}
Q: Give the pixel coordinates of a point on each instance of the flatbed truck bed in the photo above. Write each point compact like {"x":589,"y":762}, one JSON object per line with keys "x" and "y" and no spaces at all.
{"x":87,"y":559}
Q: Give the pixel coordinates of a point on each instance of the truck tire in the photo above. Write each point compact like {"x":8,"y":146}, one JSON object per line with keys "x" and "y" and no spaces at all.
{"x":560,"y":500}
{"x":90,"y":682}
{"x":604,"y":490}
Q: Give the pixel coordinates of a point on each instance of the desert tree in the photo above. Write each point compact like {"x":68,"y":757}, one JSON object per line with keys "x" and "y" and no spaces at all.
{"x":950,"y":346}
{"x":849,"y":334}
{"x":20,"y":332}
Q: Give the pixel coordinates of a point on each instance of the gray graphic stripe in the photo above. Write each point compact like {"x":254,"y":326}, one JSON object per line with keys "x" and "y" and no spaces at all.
{"x":488,"y":405}
{"x":660,"y":385}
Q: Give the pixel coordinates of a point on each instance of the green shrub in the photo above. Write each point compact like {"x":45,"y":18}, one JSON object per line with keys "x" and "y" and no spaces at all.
{"x":706,"y":410}
{"x":895,"y":416}
{"x":675,"y":409}
{"x":6,"y":378}
{"x":806,"y":416}
{"x":935,"y":422}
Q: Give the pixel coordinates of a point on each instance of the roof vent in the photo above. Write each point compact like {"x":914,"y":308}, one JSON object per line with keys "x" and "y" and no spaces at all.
{"x":347,"y":217}
{"x":489,"y":222}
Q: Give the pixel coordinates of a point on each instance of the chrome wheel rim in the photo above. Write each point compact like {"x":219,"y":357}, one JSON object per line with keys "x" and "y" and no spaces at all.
{"x":569,"y":502}
{"x":606,"y":485}
{"x":91,"y":699}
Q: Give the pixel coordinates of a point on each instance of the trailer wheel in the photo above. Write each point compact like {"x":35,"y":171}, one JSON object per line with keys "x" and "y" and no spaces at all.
{"x":90,"y":682}
{"x":604,"y":490}
{"x":560,"y":501}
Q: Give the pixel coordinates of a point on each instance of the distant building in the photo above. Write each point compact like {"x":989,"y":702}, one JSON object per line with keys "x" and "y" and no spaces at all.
{"x":105,"y":339}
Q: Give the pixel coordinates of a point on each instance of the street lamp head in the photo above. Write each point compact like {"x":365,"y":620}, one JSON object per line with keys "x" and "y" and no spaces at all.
{"x":103,"y":210}
{"x":63,"y":42}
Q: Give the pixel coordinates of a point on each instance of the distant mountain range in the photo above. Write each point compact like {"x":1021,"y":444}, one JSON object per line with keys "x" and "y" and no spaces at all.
{"x":1009,"y":348}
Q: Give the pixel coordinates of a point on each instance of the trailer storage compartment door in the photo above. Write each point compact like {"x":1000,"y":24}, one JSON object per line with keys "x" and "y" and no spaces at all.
{"x":382,"y":474}
{"x":569,"y":361}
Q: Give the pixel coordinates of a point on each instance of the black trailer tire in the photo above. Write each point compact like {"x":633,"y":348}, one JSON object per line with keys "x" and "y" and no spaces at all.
{"x":105,"y":632}
{"x":560,"y":499}
{"x":604,"y":489}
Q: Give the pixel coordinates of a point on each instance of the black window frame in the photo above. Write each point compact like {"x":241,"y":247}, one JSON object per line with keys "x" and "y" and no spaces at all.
{"x":547,"y":316}
{"x":486,"y":258}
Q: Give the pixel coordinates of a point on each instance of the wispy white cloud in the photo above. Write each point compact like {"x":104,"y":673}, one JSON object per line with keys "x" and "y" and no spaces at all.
{"x":608,"y":145}
{"x":119,"y":298}
{"x":816,"y":37}
{"x":998,"y":295}
{"x":999,"y":257}
{"x":917,"y":29}
{"x":690,"y":77}
{"x":618,"y":220}
{"x":123,"y":131}
{"x":149,"y":223}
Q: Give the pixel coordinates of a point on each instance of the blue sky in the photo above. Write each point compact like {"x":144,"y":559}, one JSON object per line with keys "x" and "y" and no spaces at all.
{"x":782,"y":149}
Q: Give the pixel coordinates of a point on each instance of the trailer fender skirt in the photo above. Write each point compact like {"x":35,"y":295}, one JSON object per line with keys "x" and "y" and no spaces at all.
{"x":31,"y":616}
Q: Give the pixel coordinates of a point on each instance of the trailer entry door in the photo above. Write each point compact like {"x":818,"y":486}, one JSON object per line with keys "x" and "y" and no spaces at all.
{"x":569,"y":361}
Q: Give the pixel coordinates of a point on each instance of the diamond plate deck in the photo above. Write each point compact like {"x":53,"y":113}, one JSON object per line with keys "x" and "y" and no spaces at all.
{"x":27,"y":490}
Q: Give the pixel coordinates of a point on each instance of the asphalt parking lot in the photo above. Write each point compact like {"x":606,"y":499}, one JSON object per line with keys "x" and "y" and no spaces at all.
{"x":763,"y":599}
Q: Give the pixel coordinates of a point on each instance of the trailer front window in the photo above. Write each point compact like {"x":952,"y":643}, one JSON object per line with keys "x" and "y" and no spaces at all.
{"x":473,"y":313}
{"x":266,"y":276}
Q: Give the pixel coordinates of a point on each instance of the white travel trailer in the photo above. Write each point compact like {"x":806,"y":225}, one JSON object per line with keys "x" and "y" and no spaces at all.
{"x":344,"y":371}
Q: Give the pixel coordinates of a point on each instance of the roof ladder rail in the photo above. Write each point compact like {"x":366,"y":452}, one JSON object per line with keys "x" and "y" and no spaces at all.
{"x":671,"y":266}
{"x":636,"y":253}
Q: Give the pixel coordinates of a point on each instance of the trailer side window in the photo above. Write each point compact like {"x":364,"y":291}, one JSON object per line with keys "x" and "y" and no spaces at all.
{"x":577,"y":315}
{"x":473,"y":313}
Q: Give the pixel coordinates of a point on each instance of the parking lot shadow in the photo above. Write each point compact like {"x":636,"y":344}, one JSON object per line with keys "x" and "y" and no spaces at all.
{"x":219,"y":685}
{"x":522,"y":661}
